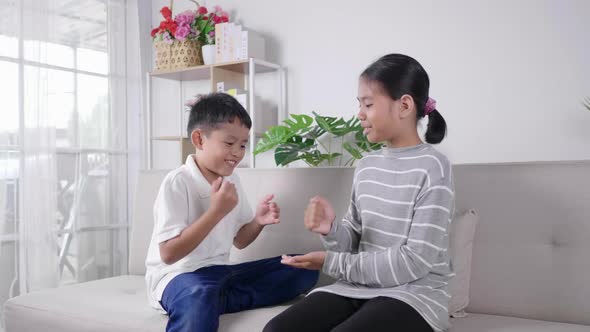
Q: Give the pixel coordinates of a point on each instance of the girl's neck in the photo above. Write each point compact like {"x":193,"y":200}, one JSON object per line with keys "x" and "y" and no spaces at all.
{"x":404,"y":141}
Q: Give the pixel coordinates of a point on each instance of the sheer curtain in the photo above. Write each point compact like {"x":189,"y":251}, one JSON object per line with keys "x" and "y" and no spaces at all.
{"x":69,"y":140}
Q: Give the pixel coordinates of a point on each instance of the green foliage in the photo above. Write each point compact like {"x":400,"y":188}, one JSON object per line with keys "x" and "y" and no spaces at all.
{"x":299,"y":138}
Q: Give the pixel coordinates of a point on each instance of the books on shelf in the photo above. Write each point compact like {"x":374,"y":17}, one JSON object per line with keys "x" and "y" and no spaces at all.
{"x":232,"y":43}
{"x":240,"y":95}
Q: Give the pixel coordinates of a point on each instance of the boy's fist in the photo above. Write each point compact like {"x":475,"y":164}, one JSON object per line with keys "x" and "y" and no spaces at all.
{"x":224,"y":196}
{"x":319,"y":215}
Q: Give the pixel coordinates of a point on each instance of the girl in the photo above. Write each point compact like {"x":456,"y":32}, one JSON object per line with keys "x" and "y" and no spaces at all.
{"x":389,"y":253}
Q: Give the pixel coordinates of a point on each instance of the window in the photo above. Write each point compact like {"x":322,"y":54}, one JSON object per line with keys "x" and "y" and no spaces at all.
{"x":58,"y":109}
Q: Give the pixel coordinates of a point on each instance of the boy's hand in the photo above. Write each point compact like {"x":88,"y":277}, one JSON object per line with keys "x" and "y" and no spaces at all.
{"x":224,"y":196}
{"x":319,"y":215}
{"x":267,"y":212}
{"x":311,"y":261}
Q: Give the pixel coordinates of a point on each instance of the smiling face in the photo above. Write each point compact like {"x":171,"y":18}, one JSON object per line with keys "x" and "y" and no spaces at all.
{"x":384,"y":119}
{"x":378,"y":113}
{"x":221,"y":149}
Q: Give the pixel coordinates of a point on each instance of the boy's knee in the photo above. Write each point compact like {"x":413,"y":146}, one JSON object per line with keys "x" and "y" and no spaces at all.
{"x":200,"y":297}
{"x":309,"y":278}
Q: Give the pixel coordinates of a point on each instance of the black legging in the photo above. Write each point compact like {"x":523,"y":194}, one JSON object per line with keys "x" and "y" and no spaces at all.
{"x":324,"y":312}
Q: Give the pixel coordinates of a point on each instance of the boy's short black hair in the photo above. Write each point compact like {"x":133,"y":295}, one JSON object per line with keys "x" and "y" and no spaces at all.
{"x":214,"y":109}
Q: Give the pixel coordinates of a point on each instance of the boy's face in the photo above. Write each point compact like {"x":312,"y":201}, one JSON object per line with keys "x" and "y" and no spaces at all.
{"x":220,"y":150}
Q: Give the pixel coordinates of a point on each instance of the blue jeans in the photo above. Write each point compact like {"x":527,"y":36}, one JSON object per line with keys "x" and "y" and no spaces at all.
{"x":195,"y":300}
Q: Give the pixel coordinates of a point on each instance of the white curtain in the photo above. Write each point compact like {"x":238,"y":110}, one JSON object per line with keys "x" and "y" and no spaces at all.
{"x":70,"y":139}
{"x":39,"y":268}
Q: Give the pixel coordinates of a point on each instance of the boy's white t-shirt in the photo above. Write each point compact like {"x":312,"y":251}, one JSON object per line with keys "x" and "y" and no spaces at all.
{"x":184,"y":196}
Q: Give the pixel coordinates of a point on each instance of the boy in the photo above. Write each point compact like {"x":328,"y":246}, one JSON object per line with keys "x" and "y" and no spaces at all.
{"x":200,"y":211}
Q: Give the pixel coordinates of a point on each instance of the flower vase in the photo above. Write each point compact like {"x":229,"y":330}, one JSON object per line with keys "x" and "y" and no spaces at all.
{"x":208,"y":54}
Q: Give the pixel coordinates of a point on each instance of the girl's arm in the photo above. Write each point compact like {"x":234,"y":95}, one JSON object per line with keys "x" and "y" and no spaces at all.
{"x":426,"y":242}
{"x":344,"y":236}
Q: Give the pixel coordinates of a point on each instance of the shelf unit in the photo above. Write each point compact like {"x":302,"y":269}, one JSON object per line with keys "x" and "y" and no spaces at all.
{"x":236,"y":74}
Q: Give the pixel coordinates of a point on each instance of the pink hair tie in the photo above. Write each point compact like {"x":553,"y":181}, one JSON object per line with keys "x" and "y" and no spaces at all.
{"x":430,"y":106}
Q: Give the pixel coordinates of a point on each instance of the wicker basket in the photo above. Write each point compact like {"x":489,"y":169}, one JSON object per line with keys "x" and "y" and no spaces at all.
{"x":185,"y":53}
{"x":163,"y":55}
{"x":179,"y":54}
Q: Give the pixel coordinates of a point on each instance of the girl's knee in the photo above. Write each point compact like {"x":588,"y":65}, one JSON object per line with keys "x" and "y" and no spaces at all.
{"x":276,"y":325}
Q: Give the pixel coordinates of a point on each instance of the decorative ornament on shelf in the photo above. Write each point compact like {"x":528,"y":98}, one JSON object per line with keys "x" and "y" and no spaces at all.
{"x":178,"y":41}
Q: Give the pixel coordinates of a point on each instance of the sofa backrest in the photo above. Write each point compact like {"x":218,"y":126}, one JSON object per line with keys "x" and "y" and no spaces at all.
{"x":532,"y":245}
{"x":146,"y":190}
{"x":292,"y":187}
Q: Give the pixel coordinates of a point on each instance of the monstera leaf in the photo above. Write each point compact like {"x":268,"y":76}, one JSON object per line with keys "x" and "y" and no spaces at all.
{"x":294,"y":149}
{"x":298,"y":138}
{"x":272,"y":137}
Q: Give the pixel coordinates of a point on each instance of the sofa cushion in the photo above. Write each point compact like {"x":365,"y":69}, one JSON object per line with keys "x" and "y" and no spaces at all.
{"x":491,"y":323}
{"x":461,"y":247}
{"x":115,"y":304}
{"x":530,"y":253}
{"x":119,"y":304}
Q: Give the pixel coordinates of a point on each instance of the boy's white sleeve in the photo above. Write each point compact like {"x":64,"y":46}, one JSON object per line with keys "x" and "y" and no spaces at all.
{"x":171,"y":209}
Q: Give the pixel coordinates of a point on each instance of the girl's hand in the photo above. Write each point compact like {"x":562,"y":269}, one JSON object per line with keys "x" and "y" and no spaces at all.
{"x":319,"y":215}
{"x":267,"y":212}
{"x":311,"y":261}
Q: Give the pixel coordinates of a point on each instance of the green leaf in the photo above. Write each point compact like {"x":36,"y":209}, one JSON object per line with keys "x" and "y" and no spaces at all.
{"x":313,"y":132}
{"x":201,"y":24}
{"x":355,"y":153}
{"x":363,"y":143}
{"x":294,"y":149}
{"x":272,"y":137}
{"x":316,"y":157}
{"x":335,"y":126}
{"x":347,"y":127}
{"x":301,"y":124}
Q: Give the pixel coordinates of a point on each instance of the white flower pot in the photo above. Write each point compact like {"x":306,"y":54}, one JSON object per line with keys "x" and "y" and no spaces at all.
{"x":208,"y":54}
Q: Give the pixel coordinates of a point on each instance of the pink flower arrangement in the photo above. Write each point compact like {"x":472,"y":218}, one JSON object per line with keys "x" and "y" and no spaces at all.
{"x":196,"y":24}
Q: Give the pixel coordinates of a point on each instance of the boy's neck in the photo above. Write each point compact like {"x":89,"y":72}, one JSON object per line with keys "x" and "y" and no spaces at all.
{"x":207,"y":174}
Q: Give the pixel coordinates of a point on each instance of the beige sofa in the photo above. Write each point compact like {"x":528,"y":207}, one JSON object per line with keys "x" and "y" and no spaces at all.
{"x":530,"y":272}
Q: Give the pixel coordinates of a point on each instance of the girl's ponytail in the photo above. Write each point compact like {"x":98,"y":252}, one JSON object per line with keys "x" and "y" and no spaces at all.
{"x":399,"y":74}
{"x":436,"y":129}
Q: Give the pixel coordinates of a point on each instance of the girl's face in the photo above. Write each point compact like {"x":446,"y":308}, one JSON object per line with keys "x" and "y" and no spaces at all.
{"x":384,"y":119}
{"x":378,"y":113}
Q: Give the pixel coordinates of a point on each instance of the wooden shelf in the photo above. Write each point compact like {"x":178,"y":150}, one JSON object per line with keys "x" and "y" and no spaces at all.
{"x":168,"y":138}
{"x":239,"y":75}
{"x":204,"y":72}
{"x":178,"y":138}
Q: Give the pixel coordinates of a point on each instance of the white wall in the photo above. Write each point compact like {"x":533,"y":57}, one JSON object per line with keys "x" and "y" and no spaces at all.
{"x":508,"y":75}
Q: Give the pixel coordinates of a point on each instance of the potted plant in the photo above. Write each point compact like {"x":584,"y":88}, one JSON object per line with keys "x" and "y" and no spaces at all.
{"x":179,"y":41}
{"x":316,"y":144}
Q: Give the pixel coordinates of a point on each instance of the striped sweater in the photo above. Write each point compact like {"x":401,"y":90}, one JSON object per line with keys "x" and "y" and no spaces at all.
{"x":394,"y":239}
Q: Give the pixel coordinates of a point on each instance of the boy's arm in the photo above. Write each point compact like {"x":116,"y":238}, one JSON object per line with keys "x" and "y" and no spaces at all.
{"x":173,"y":250}
{"x":267,"y":213}
{"x":247,"y":234}
{"x":223,"y":199}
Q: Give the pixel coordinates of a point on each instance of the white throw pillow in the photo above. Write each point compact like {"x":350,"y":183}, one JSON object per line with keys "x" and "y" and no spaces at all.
{"x":461,"y":247}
